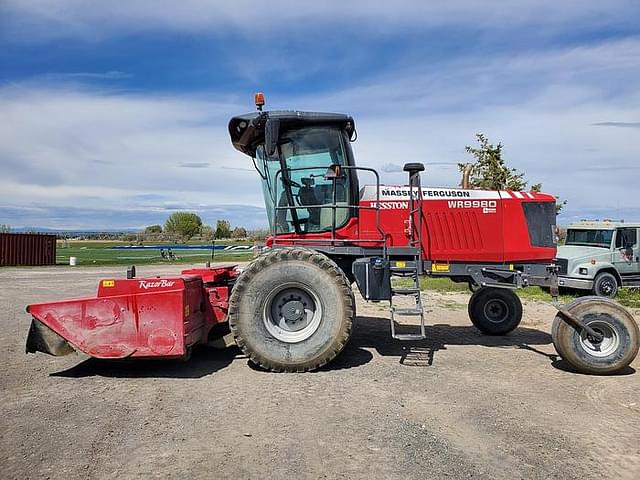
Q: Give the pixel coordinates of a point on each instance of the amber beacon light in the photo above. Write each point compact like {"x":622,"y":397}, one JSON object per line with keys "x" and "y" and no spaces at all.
{"x":259,"y":98}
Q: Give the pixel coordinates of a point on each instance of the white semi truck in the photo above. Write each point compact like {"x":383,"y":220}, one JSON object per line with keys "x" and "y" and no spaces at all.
{"x":600,"y":256}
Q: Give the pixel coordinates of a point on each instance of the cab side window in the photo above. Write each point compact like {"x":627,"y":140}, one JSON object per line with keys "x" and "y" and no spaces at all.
{"x":626,"y":237}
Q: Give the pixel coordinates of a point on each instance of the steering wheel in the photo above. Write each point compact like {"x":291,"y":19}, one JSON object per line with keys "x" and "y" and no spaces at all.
{"x":292,"y":183}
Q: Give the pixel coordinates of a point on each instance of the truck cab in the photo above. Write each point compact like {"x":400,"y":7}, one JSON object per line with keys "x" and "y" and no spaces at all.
{"x":600,"y":256}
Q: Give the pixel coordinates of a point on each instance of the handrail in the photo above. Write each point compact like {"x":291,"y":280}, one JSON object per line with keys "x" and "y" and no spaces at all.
{"x":334,"y":206}
{"x":415,"y":206}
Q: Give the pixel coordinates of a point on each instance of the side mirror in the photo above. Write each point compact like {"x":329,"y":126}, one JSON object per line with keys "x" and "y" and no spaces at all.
{"x":271,"y":135}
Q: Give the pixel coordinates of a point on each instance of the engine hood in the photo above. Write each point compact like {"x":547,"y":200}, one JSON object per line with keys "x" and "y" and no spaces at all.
{"x":578,"y":252}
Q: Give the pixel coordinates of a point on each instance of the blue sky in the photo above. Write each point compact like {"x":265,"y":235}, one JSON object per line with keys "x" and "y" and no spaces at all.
{"x":113,"y":114}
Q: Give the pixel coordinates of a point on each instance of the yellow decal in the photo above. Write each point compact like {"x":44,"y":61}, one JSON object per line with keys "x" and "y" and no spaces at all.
{"x":511,"y":266}
{"x":186,"y":310}
{"x":108,"y":283}
{"x":401,"y":264}
{"x":440,"y":267}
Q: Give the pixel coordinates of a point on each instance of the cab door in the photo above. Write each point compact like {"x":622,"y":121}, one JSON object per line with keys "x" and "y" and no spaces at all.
{"x":626,"y":254}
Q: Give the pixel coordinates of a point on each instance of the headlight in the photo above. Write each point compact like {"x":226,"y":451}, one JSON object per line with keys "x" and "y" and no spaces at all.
{"x":583,"y":271}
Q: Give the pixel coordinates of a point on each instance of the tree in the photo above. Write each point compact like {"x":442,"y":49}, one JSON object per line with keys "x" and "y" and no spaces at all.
{"x":4,"y":228}
{"x":489,"y":171}
{"x":223,"y":229}
{"x":258,"y":234}
{"x":153,"y":229}
{"x":207,"y":233}
{"x":239,"y":232}
{"x":185,"y":224}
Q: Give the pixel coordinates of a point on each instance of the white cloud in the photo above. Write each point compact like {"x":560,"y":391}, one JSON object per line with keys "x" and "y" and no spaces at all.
{"x":542,"y":105}
{"x":36,"y":19}
{"x":93,"y":149}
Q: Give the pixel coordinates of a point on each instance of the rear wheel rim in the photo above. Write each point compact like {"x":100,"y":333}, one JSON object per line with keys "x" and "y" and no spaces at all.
{"x":609,"y":343}
{"x":292,"y":313}
{"x":496,"y":310}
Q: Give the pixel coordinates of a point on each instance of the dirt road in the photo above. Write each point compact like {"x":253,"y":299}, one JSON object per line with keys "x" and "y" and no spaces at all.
{"x":458,"y":405}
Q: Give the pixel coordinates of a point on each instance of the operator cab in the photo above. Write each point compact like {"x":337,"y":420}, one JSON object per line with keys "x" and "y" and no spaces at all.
{"x":301,"y":158}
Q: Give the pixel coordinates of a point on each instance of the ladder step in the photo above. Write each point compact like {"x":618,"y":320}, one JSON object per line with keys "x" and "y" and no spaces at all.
{"x":406,"y":311}
{"x":405,"y":291}
{"x":404,"y":273}
{"x":403,"y":269}
{"x":409,"y":336}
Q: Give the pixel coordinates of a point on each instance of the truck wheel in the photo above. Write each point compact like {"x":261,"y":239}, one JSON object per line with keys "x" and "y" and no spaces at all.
{"x":605,"y":285}
{"x":291,"y":310}
{"x":495,"y":311}
{"x":614,"y":352}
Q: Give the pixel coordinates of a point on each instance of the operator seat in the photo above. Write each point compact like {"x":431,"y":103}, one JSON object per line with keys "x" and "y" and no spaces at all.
{"x":307,"y":196}
{"x":319,"y":217}
{"x":325,"y":193}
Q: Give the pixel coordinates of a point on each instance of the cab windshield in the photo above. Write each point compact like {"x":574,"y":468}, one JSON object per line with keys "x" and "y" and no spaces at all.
{"x":590,"y":238}
{"x":294,"y":176}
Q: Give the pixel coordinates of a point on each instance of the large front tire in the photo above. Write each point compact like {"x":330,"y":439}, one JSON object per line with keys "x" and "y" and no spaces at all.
{"x":291,"y":310}
{"x":495,"y":311}
{"x":616,"y":350}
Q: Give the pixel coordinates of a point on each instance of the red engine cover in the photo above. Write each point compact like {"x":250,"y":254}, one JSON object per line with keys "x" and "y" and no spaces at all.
{"x":460,"y":225}
{"x":471,"y":226}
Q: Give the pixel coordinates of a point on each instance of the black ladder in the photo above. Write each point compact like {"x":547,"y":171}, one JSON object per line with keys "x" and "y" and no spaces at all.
{"x":410,"y":269}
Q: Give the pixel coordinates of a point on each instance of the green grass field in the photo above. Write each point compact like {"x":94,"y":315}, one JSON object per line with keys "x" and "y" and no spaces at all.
{"x":101,"y":253}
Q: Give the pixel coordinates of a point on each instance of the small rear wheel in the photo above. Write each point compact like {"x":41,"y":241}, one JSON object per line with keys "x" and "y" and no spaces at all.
{"x":495,"y":311}
{"x":613,"y":352}
{"x":291,"y":310}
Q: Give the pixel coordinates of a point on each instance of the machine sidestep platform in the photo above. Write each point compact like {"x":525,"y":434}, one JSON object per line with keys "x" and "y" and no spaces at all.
{"x":415,"y":311}
{"x":406,"y":311}
{"x":406,"y":291}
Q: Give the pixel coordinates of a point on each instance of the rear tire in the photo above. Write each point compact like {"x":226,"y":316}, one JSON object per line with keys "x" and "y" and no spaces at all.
{"x":616,"y":351}
{"x":291,"y":310}
{"x":605,"y":285}
{"x":495,"y":311}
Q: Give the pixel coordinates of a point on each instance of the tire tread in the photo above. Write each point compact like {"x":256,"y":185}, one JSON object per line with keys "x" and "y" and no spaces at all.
{"x":483,"y":325}
{"x":286,"y":254}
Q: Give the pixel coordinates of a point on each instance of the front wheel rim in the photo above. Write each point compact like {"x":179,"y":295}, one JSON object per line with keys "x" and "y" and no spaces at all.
{"x":609,"y":343}
{"x":292,"y":313}
{"x":607,"y":287}
{"x":496,"y":310}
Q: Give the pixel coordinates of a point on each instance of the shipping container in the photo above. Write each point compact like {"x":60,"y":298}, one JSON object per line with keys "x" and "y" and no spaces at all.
{"x":27,"y":249}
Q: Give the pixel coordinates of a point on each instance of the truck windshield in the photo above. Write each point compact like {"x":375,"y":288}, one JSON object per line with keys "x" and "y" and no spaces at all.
{"x":295,"y":176}
{"x":591,"y":238}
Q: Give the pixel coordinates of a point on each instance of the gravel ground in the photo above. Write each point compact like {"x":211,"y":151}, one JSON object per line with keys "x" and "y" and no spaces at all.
{"x":458,"y":405}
